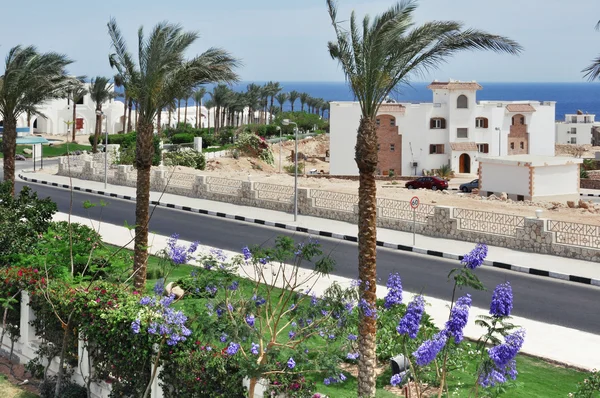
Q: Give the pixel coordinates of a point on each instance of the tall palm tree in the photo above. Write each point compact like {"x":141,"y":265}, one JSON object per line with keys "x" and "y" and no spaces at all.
{"x":253,"y":92}
{"x":324,"y":107}
{"x":159,"y":75}
{"x":282,"y":99}
{"x":292,"y":97}
{"x":198,"y":96}
{"x":303,"y":99}
{"x":376,"y":57}
{"x":592,"y":72}
{"x":209,"y":104}
{"x":101,"y":91}
{"x":273,"y":89}
{"x":76,"y":93}
{"x":219,"y":96}
{"x":30,"y":78}
{"x":118,"y":79}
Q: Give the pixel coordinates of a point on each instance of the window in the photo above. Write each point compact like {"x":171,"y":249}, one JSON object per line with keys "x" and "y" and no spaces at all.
{"x":522,"y":145}
{"x":462,"y":102}
{"x":483,"y":148}
{"x":518,"y":119}
{"x":378,"y":146}
{"x":573,"y":130}
{"x":462,"y":133}
{"x":378,"y":122}
{"x":392,"y":122}
{"x":437,"y":123}
{"x":436,"y":149}
{"x":573,"y":140}
{"x":520,"y":198}
{"x":80,"y":101}
{"x":512,"y":145}
{"x":392,"y":147}
{"x":481,"y":122}
{"x":79,"y":123}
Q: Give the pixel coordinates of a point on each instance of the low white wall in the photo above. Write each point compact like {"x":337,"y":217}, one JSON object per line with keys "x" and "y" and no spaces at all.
{"x":504,"y":178}
{"x":556,"y":180}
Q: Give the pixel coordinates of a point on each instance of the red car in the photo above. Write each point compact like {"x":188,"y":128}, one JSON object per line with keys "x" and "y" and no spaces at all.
{"x":433,"y":183}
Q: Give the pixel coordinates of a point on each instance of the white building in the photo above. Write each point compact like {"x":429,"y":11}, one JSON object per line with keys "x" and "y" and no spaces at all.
{"x":536,"y":178}
{"x":453,"y":129}
{"x":576,"y":129}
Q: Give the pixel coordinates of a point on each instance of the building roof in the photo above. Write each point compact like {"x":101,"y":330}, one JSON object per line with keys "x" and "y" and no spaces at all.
{"x":392,"y":108}
{"x":454,"y":85}
{"x":520,"y":108}
{"x":530,"y":160}
{"x":463,"y":146}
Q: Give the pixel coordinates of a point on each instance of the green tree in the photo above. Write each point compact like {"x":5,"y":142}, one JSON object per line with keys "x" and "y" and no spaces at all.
{"x":198,"y":97}
{"x":273,"y":88}
{"x":253,"y":93}
{"x":376,"y":57}
{"x":282,"y":99}
{"x":219,"y":96}
{"x":303,"y":100}
{"x":592,"y":72}
{"x":292,"y":97}
{"x":120,"y":84}
{"x":210,"y":104}
{"x":101,"y":91}
{"x":30,"y":78}
{"x":159,"y":76}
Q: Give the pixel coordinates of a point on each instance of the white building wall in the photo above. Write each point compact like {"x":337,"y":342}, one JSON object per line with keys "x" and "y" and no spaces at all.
{"x":556,"y":180}
{"x":583,"y":135}
{"x":494,"y":179}
{"x":343,"y":137}
{"x":541,"y":127}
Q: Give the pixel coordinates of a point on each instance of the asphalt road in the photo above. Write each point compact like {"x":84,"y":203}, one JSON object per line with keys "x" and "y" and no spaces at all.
{"x":543,"y":299}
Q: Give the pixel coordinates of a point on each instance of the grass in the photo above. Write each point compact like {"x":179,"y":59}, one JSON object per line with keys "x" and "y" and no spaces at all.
{"x":537,"y":378}
{"x":50,"y":151}
{"x":7,"y":390}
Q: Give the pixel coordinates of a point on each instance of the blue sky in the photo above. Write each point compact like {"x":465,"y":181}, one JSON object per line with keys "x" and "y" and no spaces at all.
{"x":286,"y":40}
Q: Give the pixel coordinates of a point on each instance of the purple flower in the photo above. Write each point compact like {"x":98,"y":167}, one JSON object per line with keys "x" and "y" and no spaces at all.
{"x":352,"y":337}
{"x":193,"y":247}
{"x":343,"y":377}
{"x":258,"y":300}
{"x":409,"y":324}
{"x":394,"y":295}
{"x":291,"y":363}
{"x":254,"y":349}
{"x":159,"y":287}
{"x":250,"y":320}
{"x":327,"y":381}
{"x":353,"y":355}
{"x":264,"y":260}
{"x":396,"y":380}
{"x":178,"y":254}
{"x":313,"y":300}
{"x":246,"y":252}
{"x":476,"y":257}
{"x":153,"y":328}
{"x":233,"y":348}
{"x":367,"y":309}
{"x":502,"y":300}
{"x":458,"y":318}
{"x":223,"y":337}
{"x":167,"y":301}
{"x":429,"y":349}
{"x":234,"y":285}
{"x":291,"y":334}
{"x":503,"y":353}
{"x":211,"y":290}
{"x":493,"y":376}
{"x":135,"y":326}
{"x":147,"y":301}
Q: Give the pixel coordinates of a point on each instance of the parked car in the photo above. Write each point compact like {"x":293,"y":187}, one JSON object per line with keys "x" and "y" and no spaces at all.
{"x":469,"y":186}
{"x":433,"y":183}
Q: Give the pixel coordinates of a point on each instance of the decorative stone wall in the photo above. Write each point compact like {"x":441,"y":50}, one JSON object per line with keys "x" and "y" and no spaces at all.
{"x":527,"y":234}
{"x":589,"y":184}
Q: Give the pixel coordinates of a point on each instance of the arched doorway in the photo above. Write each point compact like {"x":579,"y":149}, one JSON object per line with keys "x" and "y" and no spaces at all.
{"x":464,"y":164}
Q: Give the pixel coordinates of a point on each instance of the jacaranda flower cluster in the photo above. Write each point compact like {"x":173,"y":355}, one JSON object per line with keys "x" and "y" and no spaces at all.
{"x":409,"y":324}
{"x":502,"y":300}
{"x":394,"y":295}
{"x":476,"y":257}
{"x":180,"y":254}
{"x":458,"y":318}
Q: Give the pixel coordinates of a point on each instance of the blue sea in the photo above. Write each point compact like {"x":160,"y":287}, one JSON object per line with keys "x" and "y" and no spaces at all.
{"x":569,"y":97}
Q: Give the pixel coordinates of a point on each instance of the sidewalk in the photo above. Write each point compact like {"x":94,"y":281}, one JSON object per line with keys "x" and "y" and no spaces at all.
{"x":537,"y":264}
{"x":561,"y":344}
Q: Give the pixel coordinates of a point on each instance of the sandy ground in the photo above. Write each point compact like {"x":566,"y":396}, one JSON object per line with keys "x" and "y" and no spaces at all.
{"x":584,"y":151}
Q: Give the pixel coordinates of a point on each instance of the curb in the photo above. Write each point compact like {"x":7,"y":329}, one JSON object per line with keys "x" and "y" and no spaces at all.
{"x":349,"y":238}
{"x":594,"y":195}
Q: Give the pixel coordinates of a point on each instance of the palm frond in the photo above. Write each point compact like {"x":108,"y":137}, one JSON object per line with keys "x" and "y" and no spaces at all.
{"x":592,"y":72}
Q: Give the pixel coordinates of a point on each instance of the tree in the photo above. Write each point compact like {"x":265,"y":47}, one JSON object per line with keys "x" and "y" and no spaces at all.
{"x":273,"y":88}
{"x":219,"y":95}
{"x":76,"y":93}
{"x":160,"y":74}
{"x":120,"y":83}
{"x":303,"y":99}
{"x":376,"y":57}
{"x":253,"y":93}
{"x":592,"y":72}
{"x":282,"y":99}
{"x":30,"y":78}
{"x":101,"y":91}
{"x":292,"y":97}
{"x":198,"y":97}
{"x":210,"y":104}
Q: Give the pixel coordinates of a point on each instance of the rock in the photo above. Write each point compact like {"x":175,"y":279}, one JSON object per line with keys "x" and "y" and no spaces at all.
{"x":583,"y":204}
{"x":475,"y":191}
{"x":169,"y":288}
{"x":433,"y":202}
{"x":27,"y":151}
{"x":178,"y":292}
{"x":503,"y":196}
{"x":570,"y":204}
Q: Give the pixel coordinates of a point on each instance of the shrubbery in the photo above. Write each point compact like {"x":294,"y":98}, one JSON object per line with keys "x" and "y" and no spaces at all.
{"x":187,"y":158}
{"x":306,"y":121}
{"x":254,"y":146}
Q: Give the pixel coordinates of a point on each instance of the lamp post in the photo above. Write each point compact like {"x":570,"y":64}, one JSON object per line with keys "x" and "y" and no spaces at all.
{"x":499,"y":141}
{"x":103,"y":116}
{"x":279,"y":129}
{"x":286,"y":122}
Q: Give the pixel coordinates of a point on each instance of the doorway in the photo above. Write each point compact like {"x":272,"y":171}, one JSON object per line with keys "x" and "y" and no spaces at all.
{"x":464,"y":164}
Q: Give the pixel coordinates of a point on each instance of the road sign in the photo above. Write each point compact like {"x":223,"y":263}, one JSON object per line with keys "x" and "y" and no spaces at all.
{"x":414,"y":202}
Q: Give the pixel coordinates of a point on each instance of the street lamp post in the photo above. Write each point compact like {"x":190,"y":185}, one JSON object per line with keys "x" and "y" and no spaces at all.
{"x":280,"y":131}
{"x":286,"y":122}
{"x":103,"y":116}
{"x":499,"y":141}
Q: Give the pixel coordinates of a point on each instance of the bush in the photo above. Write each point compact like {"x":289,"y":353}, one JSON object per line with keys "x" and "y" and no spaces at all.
{"x":254,"y":146}
{"x":583,"y":173}
{"x":68,"y":389}
{"x":188,"y":158}
{"x":127,"y":155}
{"x":290,"y":168}
{"x":182,"y":138}
{"x":306,"y":121}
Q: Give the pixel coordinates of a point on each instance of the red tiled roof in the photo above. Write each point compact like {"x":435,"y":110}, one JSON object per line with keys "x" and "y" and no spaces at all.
{"x":463,"y":146}
{"x":392,"y":108}
{"x":520,"y":108}
{"x":454,"y":85}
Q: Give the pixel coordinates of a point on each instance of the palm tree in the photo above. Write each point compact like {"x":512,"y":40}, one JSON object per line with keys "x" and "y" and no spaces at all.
{"x":252,"y":100}
{"x":292,"y":97}
{"x":76,"y":93}
{"x":378,"y":56}
{"x":282,"y":99}
{"x":273,"y":88}
{"x":303,"y":99}
{"x":198,"y":96}
{"x":219,"y":96}
{"x":210,"y":104}
{"x":265,"y":91}
{"x":160,"y":74}
{"x":30,"y":78}
{"x":325,"y":107}
{"x":101,"y":90}
{"x":592,"y":72}
{"x":120,"y":83}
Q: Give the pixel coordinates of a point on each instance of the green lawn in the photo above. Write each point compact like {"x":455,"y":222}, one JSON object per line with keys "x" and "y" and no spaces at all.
{"x":50,"y":151}
{"x":7,"y":390}
{"x":537,"y":378}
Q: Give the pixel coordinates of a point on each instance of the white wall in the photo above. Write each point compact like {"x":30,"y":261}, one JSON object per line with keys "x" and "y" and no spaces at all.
{"x":505,"y":178}
{"x":556,"y":180}
{"x":583,"y":135}
{"x":541,"y":128}
{"x":343,"y":137}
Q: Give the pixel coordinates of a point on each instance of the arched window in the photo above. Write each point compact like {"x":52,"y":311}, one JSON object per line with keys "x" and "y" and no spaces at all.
{"x":512,"y":145}
{"x":518,"y":119}
{"x":481,"y":122}
{"x":462,"y":102}
{"x":437,"y":123}
{"x":522,"y":145}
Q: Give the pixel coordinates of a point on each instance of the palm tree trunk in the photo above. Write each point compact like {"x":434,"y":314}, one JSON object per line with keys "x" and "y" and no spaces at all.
{"x":185,"y":113}
{"x":178,"y":112}
{"x":97,"y":132}
{"x":9,"y":144}
{"x":270,"y":109}
{"x":170,"y":111}
{"x":143,"y":162}
{"x":158,"y":122}
{"x":130,"y":105}
{"x":125,"y":113}
{"x":366,"y":159}
{"x":197,"y":126}
{"x":74,"y":120}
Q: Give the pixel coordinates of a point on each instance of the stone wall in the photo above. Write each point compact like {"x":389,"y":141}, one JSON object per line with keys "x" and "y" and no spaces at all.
{"x":589,"y":184}
{"x":496,"y":229}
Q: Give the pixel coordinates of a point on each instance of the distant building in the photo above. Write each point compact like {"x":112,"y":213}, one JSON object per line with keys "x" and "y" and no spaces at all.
{"x":452,"y":130}
{"x":576,"y":129}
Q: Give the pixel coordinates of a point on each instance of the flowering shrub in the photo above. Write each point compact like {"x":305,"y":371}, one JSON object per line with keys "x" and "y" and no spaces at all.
{"x":187,"y":158}
{"x":588,"y":387}
{"x":252,"y":145}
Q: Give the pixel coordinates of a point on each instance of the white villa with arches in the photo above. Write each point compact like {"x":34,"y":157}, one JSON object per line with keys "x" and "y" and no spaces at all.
{"x":452,"y":130}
